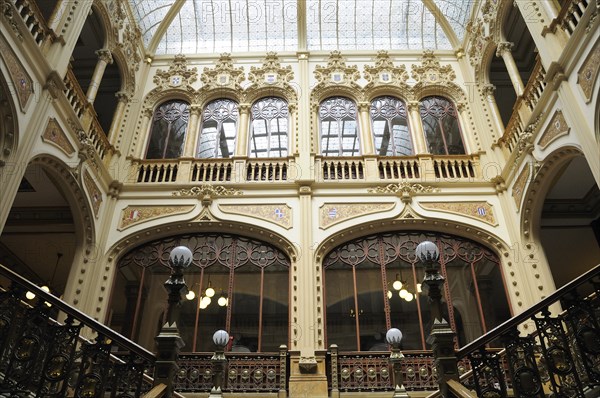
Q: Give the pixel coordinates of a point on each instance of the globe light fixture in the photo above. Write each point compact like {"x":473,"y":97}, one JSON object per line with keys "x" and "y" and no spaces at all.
{"x":221,"y":338}
{"x":181,"y":257}
{"x":409,"y":296}
{"x":389,"y":294}
{"x":45,"y":288}
{"x":29,"y":295}
{"x":209,"y":292}
{"x":190,"y":295}
{"x":427,"y":252}
{"x":393,"y":336}
{"x":397,"y":285}
{"x":222,"y":301}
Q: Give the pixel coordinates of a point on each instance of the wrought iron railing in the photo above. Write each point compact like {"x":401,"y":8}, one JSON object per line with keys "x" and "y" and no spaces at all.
{"x":556,"y":353}
{"x":244,"y":372}
{"x":42,"y":357}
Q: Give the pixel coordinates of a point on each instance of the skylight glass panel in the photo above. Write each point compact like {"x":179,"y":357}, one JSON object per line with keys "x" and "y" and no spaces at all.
{"x":457,"y":13}
{"x":372,"y":25}
{"x":217,"y":26}
{"x":149,"y":15}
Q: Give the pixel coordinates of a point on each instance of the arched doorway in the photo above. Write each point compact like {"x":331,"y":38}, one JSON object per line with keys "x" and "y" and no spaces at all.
{"x":239,"y":284}
{"x":374,"y":283}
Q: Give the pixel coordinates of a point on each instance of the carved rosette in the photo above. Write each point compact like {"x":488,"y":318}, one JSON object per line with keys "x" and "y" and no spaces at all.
{"x":279,"y":214}
{"x":385,"y":73}
{"x":223,"y":76}
{"x":271,"y":76}
{"x":519,"y":187}
{"x":207,"y":192}
{"x":94,"y":193}
{"x":481,"y":211}
{"x":556,"y":128}
{"x":334,"y":213}
{"x":55,"y":135}
{"x":405,"y":190}
{"x":588,"y":73}
{"x":133,"y":215}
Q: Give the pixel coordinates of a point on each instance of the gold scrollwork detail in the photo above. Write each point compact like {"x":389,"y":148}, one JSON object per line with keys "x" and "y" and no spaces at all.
{"x":132,"y":215}
{"x":334,"y":213}
{"x":280,"y":214}
{"x":482,"y":211}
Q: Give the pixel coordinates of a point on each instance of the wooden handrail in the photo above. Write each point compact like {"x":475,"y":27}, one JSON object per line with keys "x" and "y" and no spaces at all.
{"x":459,"y":390}
{"x":516,"y":320}
{"x":78,"y":315}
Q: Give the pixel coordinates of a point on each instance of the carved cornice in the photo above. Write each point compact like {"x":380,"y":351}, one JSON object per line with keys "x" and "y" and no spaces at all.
{"x":405,"y":190}
{"x":223,"y":75}
{"x":206,"y":192}
{"x":385,"y":73}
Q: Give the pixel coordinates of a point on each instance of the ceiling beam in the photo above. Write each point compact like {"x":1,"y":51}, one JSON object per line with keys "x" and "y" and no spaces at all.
{"x":441,"y":19}
{"x":302,"y":25}
{"x":162,"y":28}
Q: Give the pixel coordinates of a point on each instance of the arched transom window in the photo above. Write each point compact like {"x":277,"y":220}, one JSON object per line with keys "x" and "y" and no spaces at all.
{"x":239,"y":284}
{"x":219,"y":129}
{"x":269,"y":135}
{"x":339,"y":129}
{"x":169,"y":126}
{"x":441,"y":127}
{"x":374,"y":283}
{"x":390,"y":127}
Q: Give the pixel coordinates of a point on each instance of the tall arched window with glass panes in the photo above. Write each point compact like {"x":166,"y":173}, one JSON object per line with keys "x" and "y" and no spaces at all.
{"x":168,"y":131}
{"x":389,"y":124}
{"x":219,"y":129}
{"x":441,"y":126}
{"x":339,"y":127}
{"x":269,"y":128}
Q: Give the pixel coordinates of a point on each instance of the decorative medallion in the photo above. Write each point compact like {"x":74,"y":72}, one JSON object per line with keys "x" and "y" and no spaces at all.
{"x":385,"y":72}
{"x":519,"y":187}
{"x":271,"y":74}
{"x":405,"y":190}
{"x":588,"y":73}
{"x":556,"y":128}
{"x":55,"y":135}
{"x":280,"y":214}
{"x":93,"y":191}
{"x":431,"y":72}
{"x":482,"y":211}
{"x":132,"y":215}
{"x":336,"y":70}
{"x":178,"y":74}
{"x":22,"y":83}
{"x":334,"y":213}
{"x":223,"y":75}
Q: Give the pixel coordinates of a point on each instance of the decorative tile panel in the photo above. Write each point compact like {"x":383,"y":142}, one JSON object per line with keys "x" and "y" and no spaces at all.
{"x":518,"y":188}
{"x":588,"y":73}
{"x":93,"y":191}
{"x":55,"y":135}
{"x":133,"y":215}
{"x":482,"y":211}
{"x":334,"y":213}
{"x":556,"y":128}
{"x":280,"y":214}
{"x":22,"y":83}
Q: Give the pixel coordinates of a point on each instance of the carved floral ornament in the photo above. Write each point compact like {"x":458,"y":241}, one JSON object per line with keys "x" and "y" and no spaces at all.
{"x":384,"y":73}
{"x":178,"y":74}
{"x":207,"y":192}
{"x":223,"y":76}
{"x":404,"y":190}
{"x":271,"y":76}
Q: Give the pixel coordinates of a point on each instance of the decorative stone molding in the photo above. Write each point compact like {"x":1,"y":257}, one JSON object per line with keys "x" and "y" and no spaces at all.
{"x":557,"y":127}
{"x":94,"y":193}
{"x":334,"y":213}
{"x":385,"y":74}
{"x":21,"y":82}
{"x":8,"y":13}
{"x":279,"y":214}
{"x":207,"y":192}
{"x":178,"y":75}
{"x":338,"y":76}
{"x":482,"y":211}
{"x":271,"y":78}
{"x":478,"y":43}
{"x":405,"y":190}
{"x":55,"y":135}
{"x":223,"y":76}
{"x":133,"y":215}
{"x":519,"y":186}
{"x":588,"y":73}
{"x":431,"y":72}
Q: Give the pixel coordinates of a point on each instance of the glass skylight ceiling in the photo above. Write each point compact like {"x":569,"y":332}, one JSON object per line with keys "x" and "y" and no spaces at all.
{"x":215,"y":26}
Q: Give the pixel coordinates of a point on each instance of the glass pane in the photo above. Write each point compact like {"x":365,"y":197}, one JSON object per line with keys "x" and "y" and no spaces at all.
{"x":341,"y":325}
{"x":275,"y":308}
{"x":169,"y":125}
{"x":245,"y":303}
{"x":440,"y":124}
{"x":219,"y":130}
{"x":404,"y":313}
{"x":211,"y":315}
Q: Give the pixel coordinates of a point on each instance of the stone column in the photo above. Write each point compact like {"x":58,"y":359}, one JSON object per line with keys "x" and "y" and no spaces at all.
{"x":104,"y":58}
{"x":504,"y":50}
{"x":364,"y":119}
{"x":488,"y":92}
{"x":243,"y":130}
{"x":137,"y":149}
{"x":193,"y":130}
{"x":416,"y":127}
{"x":123,"y":99}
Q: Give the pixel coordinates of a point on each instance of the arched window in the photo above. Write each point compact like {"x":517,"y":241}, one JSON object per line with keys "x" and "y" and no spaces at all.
{"x":390,"y":127}
{"x":339,"y":129}
{"x":239,"y":284}
{"x":169,"y":126}
{"x":219,"y":129}
{"x":269,"y":135}
{"x":374,"y":283}
{"x":440,"y":123}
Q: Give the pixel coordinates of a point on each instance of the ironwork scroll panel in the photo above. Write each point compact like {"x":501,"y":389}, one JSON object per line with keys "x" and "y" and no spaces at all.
{"x":489,"y":378}
{"x":94,"y":369}
{"x":195,"y":373}
{"x":362,"y":372}
{"x":253,"y":373}
{"x":522,"y":365}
